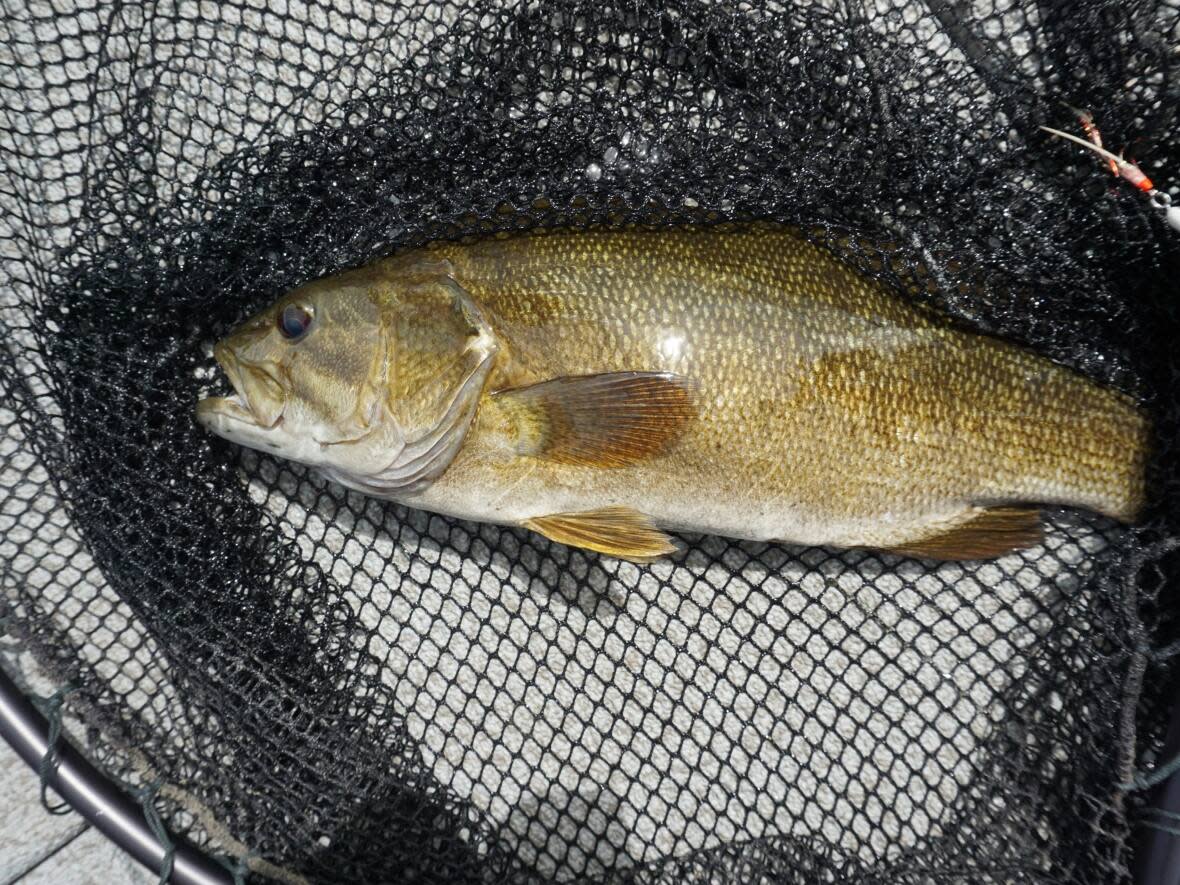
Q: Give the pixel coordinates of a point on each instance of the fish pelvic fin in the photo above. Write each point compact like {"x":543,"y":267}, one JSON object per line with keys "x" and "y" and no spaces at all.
{"x":615,"y":531}
{"x":984,"y":534}
{"x":608,"y":420}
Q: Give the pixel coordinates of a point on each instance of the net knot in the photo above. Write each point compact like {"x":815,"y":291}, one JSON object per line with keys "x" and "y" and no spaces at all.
{"x":239,"y":868}
{"x":1161,"y":773}
{"x":1166,"y":652}
{"x":50,"y":707}
{"x":146,"y":795}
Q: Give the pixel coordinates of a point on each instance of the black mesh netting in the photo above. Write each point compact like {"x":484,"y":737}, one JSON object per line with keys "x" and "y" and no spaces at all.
{"x":345,"y":690}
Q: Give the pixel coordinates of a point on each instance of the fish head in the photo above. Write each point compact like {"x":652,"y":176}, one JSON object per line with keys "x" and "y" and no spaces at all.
{"x":372,"y":379}
{"x":299,"y":370}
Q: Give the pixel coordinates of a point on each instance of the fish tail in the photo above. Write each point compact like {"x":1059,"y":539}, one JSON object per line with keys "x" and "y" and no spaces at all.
{"x":1121,"y":434}
{"x":1089,"y":447}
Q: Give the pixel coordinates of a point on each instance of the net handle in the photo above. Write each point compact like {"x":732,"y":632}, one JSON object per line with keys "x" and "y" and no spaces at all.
{"x":103,"y":805}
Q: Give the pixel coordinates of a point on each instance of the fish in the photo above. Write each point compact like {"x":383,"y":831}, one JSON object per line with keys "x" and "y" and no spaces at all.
{"x":608,"y":388}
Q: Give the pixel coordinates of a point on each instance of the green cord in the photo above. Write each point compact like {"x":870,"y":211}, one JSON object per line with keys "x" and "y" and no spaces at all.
{"x":147,"y":798}
{"x":1163,"y":828}
{"x":239,"y":868}
{"x":1161,"y":774}
{"x":51,"y":709}
{"x":1160,"y":812}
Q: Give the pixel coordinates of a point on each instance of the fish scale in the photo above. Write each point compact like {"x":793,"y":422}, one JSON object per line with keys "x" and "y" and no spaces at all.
{"x":826,"y":408}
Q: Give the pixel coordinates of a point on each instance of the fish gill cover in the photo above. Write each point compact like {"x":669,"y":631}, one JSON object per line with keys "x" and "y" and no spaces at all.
{"x":330,"y":688}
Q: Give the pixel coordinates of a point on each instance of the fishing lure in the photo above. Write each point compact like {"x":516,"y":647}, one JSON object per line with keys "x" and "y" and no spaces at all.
{"x":1125,"y":169}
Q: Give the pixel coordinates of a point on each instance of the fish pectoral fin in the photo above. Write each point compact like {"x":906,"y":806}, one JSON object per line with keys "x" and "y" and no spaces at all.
{"x":985,"y":534}
{"x":607,"y":420}
{"x":615,"y":531}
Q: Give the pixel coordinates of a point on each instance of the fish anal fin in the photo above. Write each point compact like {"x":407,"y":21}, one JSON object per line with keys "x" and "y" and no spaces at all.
{"x":607,"y":420}
{"x":988,"y":533}
{"x":615,"y":531}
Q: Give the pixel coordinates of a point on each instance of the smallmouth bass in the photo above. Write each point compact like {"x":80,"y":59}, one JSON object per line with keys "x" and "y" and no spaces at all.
{"x":599,"y":387}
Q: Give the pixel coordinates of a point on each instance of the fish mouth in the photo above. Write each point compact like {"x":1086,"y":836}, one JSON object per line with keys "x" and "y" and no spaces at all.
{"x":257,"y":398}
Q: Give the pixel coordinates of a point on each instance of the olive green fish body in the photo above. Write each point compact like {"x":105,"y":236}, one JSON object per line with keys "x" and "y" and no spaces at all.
{"x":789,"y":397}
{"x":831,"y":412}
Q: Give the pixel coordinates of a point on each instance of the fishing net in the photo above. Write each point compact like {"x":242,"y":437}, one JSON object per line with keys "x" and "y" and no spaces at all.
{"x":317,"y":686}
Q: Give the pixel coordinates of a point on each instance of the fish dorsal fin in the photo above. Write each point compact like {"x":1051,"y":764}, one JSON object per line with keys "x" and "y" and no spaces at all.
{"x":986,"y":534}
{"x":607,"y":420}
{"x":615,"y":531}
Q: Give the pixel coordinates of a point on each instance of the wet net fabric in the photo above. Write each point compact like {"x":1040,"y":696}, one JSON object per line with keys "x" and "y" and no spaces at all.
{"x":322,"y":687}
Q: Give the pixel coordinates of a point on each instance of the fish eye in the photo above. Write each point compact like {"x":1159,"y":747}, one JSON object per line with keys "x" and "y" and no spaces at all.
{"x":294,"y":321}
